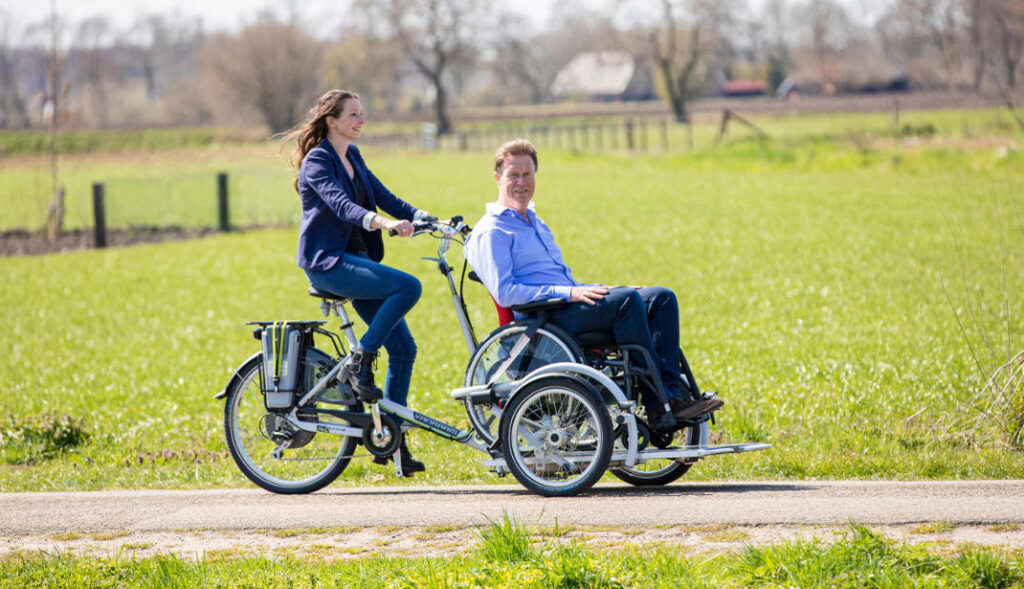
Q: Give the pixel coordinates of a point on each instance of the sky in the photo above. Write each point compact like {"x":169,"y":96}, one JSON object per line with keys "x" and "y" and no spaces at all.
{"x":230,"y":14}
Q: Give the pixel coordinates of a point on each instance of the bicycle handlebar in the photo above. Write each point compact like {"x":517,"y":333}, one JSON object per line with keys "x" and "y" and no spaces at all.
{"x":450,"y":228}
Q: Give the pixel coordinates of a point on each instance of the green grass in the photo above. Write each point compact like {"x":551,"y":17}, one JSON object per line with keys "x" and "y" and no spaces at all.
{"x":813,"y":278}
{"x":861,"y":558}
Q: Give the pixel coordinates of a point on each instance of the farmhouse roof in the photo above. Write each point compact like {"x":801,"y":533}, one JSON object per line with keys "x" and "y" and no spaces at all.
{"x":595,"y":73}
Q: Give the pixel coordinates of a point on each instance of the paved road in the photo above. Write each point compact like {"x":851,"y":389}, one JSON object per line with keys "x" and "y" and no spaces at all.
{"x":748,"y":503}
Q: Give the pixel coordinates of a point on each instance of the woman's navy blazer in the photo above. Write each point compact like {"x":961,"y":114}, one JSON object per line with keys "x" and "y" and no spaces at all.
{"x":329,"y":209}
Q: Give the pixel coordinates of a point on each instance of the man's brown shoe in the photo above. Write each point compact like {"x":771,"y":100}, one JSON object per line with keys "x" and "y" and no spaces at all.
{"x":690,"y":409}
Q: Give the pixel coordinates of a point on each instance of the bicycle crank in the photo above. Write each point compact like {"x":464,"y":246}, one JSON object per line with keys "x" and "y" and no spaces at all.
{"x":384,"y":436}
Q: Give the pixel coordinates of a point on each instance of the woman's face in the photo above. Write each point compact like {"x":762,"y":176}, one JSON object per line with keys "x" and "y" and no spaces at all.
{"x":349,"y":123}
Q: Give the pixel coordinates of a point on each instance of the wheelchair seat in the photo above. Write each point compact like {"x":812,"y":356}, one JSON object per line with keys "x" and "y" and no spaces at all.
{"x":589,"y":339}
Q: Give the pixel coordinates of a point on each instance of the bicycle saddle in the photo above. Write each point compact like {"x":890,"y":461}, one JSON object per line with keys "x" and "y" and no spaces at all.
{"x":323,"y":294}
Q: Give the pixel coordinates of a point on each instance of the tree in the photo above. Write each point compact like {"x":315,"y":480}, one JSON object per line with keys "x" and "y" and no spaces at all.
{"x":437,"y":36}
{"x":13,"y":110}
{"x":165,"y":48}
{"x":1008,"y":16}
{"x":363,"y":61}
{"x":521,"y":65}
{"x":271,"y":65}
{"x":686,"y":35}
{"x":828,"y":31}
{"x":96,"y":70}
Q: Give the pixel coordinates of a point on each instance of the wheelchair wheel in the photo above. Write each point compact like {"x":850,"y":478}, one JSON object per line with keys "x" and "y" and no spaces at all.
{"x":659,"y":472}
{"x":267,"y":449}
{"x":552,"y":345}
{"x":556,"y":437}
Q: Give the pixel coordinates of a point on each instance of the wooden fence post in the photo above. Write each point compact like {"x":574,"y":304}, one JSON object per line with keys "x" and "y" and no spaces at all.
{"x":222,"y":201}
{"x":629,"y":135}
{"x":99,"y":216}
{"x":643,"y":135}
{"x":56,"y":220}
{"x":664,"y":135}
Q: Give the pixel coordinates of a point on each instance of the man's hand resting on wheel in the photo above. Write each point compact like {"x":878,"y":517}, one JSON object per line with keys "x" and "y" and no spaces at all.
{"x":587,"y":294}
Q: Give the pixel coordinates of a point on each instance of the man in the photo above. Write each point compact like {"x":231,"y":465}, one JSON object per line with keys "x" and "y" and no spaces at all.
{"x":516,"y":257}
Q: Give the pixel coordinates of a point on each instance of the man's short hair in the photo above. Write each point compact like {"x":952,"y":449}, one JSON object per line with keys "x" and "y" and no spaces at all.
{"x":514,"y":148}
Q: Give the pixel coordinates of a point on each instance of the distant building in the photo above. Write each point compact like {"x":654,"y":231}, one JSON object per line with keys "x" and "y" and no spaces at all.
{"x":744,"y":88}
{"x":604,"y":76}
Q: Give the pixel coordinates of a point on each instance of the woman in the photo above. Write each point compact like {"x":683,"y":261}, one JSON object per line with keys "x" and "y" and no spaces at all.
{"x":340,"y":245}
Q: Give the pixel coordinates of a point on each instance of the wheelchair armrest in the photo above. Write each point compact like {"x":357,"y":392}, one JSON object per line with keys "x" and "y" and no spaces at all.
{"x":543,"y":305}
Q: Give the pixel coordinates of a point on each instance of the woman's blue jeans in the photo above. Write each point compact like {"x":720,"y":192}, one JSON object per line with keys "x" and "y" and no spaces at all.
{"x":381,"y":296}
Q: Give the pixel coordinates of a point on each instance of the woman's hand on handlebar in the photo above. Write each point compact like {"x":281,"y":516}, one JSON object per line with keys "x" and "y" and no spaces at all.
{"x":403,"y":227}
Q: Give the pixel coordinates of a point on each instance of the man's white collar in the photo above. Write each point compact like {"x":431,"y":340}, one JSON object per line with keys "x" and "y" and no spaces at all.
{"x":495,"y":208}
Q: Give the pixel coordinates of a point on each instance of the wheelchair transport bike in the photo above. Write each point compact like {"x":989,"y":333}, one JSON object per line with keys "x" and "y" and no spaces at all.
{"x":555,"y":411}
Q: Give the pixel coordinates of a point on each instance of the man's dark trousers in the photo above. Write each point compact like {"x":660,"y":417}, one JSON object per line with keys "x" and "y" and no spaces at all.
{"x":647,"y":317}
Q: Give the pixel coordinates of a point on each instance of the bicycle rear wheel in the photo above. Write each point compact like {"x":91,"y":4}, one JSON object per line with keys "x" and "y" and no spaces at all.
{"x":556,"y":437}
{"x":270,"y":451}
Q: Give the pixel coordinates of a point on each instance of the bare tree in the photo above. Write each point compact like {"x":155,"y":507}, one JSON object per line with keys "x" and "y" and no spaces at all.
{"x":1008,"y":17}
{"x":941,"y":24}
{"x":522,"y":67}
{"x":828,"y":29}
{"x":271,"y":66}
{"x":95,"y":69}
{"x":437,"y":36}
{"x":166,"y":48}
{"x":977,"y":14}
{"x":363,"y":61}
{"x":13,"y":110}
{"x":684,"y":37}
{"x":777,"y":42}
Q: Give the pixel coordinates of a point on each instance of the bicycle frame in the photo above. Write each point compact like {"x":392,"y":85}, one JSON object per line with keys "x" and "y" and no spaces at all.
{"x":410,"y":418}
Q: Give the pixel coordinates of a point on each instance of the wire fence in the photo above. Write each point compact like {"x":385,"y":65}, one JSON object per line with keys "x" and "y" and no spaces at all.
{"x":243,"y":197}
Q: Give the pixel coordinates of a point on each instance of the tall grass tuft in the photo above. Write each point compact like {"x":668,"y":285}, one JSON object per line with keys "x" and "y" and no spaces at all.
{"x":1001,"y":399}
{"x":30,"y":439}
{"x":505,"y":541}
{"x":864,"y":559}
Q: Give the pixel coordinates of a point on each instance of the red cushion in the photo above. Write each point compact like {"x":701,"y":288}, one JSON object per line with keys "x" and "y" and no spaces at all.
{"x":504,"y":314}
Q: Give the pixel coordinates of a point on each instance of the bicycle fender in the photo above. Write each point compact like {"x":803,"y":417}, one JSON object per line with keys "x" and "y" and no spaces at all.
{"x":235,"y":376}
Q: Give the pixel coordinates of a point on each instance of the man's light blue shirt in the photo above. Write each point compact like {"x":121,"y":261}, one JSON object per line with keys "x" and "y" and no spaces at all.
{"x":516,"y":257}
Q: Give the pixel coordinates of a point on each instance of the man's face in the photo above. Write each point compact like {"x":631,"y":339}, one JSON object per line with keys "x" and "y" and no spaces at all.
{"x":516,"y":183}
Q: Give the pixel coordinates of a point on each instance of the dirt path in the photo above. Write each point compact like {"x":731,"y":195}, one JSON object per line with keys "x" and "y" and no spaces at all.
{"x":414,"y":520}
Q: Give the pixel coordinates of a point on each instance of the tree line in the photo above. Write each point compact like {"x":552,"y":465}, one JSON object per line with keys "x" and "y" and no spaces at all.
{"x":418,"y":59}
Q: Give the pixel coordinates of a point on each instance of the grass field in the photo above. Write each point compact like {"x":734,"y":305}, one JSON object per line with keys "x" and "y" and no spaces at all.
{"x":818,"y":274}
{"x":510,"y":555}
{"x":168,"y":177}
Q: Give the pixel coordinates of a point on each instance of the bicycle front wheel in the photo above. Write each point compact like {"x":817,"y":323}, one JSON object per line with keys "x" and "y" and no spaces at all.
{"x":270,"y":451}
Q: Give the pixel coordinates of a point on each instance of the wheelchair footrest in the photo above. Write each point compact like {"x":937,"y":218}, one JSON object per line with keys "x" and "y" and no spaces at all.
{"x":691,"y":452}
{"x":681,"y":453}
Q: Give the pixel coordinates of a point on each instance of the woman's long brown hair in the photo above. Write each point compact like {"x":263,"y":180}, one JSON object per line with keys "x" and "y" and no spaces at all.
{"x":312,"y":131}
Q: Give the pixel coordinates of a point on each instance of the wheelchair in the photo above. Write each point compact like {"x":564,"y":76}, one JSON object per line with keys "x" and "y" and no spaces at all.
{"x":517,"y":348}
